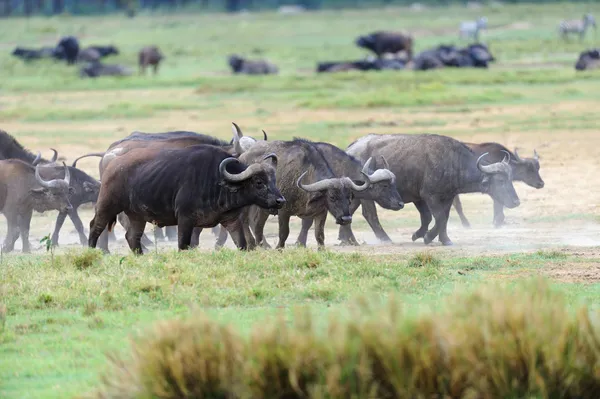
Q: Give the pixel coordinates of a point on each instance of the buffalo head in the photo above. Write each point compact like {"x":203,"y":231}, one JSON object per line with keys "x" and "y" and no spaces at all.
{"x":383,"y":188}
{"x":367,"y":42}
{"x":52,"y":194}
{"x":256,"y":182}
{"x":337,"y":193}
{"x":498,"y":181}
{"x":236,"y":62}
{"x":527,"y":170}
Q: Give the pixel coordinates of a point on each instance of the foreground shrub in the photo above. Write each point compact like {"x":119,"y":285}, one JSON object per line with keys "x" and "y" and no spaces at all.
{"x":493,"y":343}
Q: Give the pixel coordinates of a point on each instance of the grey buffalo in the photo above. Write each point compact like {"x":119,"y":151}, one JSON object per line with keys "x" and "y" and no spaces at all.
{"x":240,"y":65}
{"x":23,"y":190}
{"x":431,"y":170}
{"x":310,"y":186}
{"x":526,"y":170}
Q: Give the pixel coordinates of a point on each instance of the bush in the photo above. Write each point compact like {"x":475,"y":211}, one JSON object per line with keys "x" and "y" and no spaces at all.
{"x":495,"y":342}
{"x":424,"y":259}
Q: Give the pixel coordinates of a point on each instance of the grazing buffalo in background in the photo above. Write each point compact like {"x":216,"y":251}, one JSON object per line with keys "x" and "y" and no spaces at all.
{"x":526,"y":170}
{"x":23,"y":190}
{"x":431,"y":170}
{"x":301,"y":161}
{"x":105,"y":51}
{"x":475,"y":56}
{"x":97,"y":69}
{"x":251,"y":67}
{"x":89,"y":55}
{"x":589,"y":59}
{"x":67,"y":49}
{"x":171,"y":140}
{"x":150,"y":56}
{"x":383,"y":42}
{"x":197,"y":186}
{"x":28,"y":54}
{"x":378,"y":64}
{"x":382,"y":187}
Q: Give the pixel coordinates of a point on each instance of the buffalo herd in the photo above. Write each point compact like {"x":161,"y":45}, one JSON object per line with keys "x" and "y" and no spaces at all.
{"x":186,"y":181}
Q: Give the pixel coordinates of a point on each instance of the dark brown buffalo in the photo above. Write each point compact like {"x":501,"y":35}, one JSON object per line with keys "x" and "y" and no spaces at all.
{"x":588,"y":60}
{"x":526,"y":170}
{"x":301,"y":162}
{"x":150,"y":56}
{"x":10,"y":148}
{"x":23,"y":190}
{"x":240,"y":65}
{"x":385,"y":42}
{"x":197,"y":186}
{"x":96,"y":69}
{"x":431,"y":170}
{"x":169,"y":140}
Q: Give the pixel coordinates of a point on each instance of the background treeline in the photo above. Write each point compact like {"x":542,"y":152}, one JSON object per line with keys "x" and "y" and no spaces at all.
{"x":90,"y":7}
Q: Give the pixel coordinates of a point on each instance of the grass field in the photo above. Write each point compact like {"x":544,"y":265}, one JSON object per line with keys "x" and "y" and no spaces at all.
{"x":60,"y":313}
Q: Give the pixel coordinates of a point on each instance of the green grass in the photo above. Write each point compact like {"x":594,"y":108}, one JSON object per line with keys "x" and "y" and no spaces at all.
{"x":59,"y":318}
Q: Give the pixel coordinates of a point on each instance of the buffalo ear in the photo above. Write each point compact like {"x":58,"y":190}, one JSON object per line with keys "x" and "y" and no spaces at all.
{"x":87,"y":187}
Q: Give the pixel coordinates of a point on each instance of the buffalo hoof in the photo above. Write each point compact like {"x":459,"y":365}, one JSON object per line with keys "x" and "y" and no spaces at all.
{"x":499,"y":224}
{"x":417,"y":234}
{"x":466,"y":225}
{"x":265,"y":245}
{"x":300,"y":244}
{"x":428,"y":238}
{"x":348,"y":243}
{"x":447,"y":242}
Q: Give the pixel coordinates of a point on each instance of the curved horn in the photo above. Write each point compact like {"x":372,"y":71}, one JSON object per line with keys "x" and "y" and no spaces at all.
{"x":92,"y":154}
{"x":265,"y":135}
{"x":507,"y":157}
{"x":535,"y":155}
{"x":39,"y":179}
{"x":367,"y":167}
{"x":234,"y":178}
{"x":55,"y":156}
{"x":271,"y":156}
{"x":67,"y":178}
{"x":517,"y":157}
{"x":493,"y":168}
{"x":356,"y":187}
{"x":237,"y":133}
{"x":314,"y":187}
{"x":386,"y":165}
{"x":37,"y":159}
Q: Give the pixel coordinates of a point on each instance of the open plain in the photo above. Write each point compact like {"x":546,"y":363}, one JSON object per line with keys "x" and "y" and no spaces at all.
{"x":60,"y":312}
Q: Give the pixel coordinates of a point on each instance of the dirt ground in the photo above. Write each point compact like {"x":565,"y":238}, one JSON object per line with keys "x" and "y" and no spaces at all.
{"x":565,"y":214}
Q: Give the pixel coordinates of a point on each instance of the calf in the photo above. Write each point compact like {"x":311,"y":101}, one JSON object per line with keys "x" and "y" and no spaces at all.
{"x":150,"y":56}
{"x":384,"y":42}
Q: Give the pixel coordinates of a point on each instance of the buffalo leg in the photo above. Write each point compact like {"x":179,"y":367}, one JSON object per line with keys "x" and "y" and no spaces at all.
{"x":102,"y":240}
{"x":370,"y":214}
{"x":134,"y":234}
{"x":441,"y":211}
{"x":222,"y":237}
{"x":74,"y":216}
{"x":345,"y":234}
{"x":24,"y":223}
{"x":320,"y":229}
{"x":498,"y":214}
{"x":195,"y":240}
{"x":234,"y":227}
{"x":458,"y":206}
{"x":303,"y":236}
{"x":425,"y":214}
{"x":12,"y":233}
{"x":60,"y":219}
{"x":259,"y":228}
{"x":185,"y":228}
{"x":284,"y":228}
{"x":98,"y":228}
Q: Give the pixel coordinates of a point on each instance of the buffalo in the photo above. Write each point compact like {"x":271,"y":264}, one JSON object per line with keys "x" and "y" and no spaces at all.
{"x":196,"y":186}
{"x":301,"y":162}
{"x":97,"y":69}
{"x":169,"y":140}
{"x":589,"y":59}
{"x":23,"y":190}
{"x":28,"y":54}
{"x":89,"y":55}
{"x":105,"y":51}
{"x":10,"y":148}
{"x":67,"y":49}
{"x":150,"y":56}
{"x":385,"y":42}
{"x":475,"y":56}
{"x":526,"y":170}
{"x":378,"y":64}
{"x":240,"y":65}
{"x":382,"y":187}
{"x":431,"y":170}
